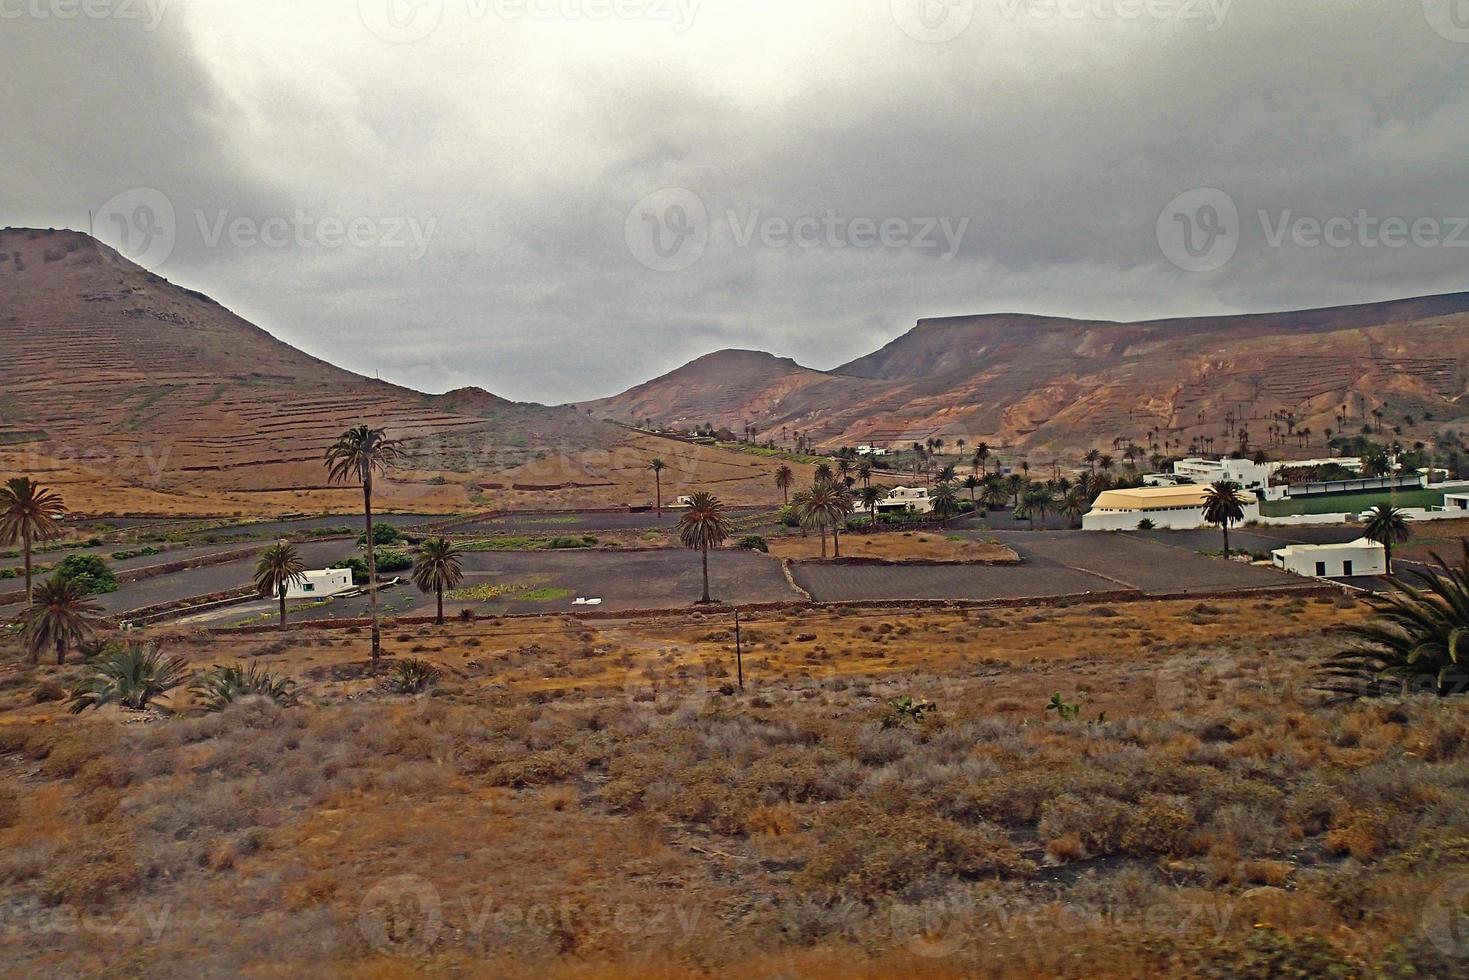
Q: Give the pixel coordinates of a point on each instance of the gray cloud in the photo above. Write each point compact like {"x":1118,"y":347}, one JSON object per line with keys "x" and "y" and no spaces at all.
{"x":524,"y":143}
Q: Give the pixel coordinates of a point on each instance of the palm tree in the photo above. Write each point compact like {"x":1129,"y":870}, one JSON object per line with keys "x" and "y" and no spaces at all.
{"x":356,"y":457}
{"x":1092,"y":458}
{"x":61,"y":617}
{"x":437,"y":569}
{"x":657,"y":467}
{"x":971,"y":483}
{"x":995,"y":495}
{"x":132,"y":677}
{"x":28,"y":514}
{"x":864,"y":472}
{"x":1387,"y":526}
{"x":1413,"y":645}
{"x":1035,"y":503}
{"x":824,"y":473}
{"x":826,"y":504}
{"x":870,"y":497}
{"x":1223,"y":506}
{"x":945,"y":501}
{"x":981,"y":456}
{"x":278,"y":567}
{"x":704,"y":526}
{"x":1075,"y":505}
{"x":785,"y":478}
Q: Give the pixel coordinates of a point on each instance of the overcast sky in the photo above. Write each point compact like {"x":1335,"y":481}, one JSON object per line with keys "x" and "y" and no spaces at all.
{"x":557,"y":199}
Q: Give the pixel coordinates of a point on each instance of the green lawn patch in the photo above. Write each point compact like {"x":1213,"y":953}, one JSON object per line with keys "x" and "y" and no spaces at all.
{"x":1350,"y":503}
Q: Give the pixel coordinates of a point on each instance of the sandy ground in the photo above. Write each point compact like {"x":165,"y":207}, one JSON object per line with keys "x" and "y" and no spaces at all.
{"x":895,"y":546}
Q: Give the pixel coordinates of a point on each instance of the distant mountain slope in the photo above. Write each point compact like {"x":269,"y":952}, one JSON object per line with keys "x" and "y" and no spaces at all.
{"x":1063,"y":385}
{"x":142,"y":395}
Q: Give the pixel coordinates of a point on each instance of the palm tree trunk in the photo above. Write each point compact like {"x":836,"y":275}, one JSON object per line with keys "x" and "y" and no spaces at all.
{"x":821,"y":527}
{"x":704,"y":556}
{"x":836,"y":541}
{"x":60,"y":651}
{"x":440,"y":591}
{"x":1387,"y":546}
{"x":371,"y":569}
{"x":282,"y":594}
{"x":658,"y":484}
{"x":1225,"y":525}
{"x":25,"y":534}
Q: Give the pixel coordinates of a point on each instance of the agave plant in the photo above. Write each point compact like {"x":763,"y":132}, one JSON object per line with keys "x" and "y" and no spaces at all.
{"x":412,"y":676}
{"x":222,"y":686}
{"x":131,"y":676}
{"x":1418,"y":641}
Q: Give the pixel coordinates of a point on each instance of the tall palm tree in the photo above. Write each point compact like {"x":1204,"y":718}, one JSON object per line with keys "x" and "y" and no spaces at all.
{"x":357,"y":456}
{"x":945,"y":501}
{"x":971,"y":483}
{"x":61,"y":617}
{"x":1223,"y":506}
{"x":1075,"y":505}
{"x":278,"y":567}
{"x":1092,"y":458}
{"x":864,"y":472}
{"x":824,"y":473}
{"x":981,"y":456}
{"x":29,"y":514}
{"x":657,"y":467}
{"x":825,"y":504}
{"x":785,"y":478}
{"x":1387,"y":526}
{"x":703,"y":526}
{"x":870,"y":497}
{"x":437,"y":569}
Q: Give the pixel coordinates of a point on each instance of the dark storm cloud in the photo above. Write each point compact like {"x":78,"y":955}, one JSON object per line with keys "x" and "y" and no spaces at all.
{"x":833,"y":176}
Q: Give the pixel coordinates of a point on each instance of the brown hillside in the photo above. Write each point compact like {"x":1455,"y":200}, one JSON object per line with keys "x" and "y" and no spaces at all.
{"x":137,"y":395}
{"x":1049,"y":384}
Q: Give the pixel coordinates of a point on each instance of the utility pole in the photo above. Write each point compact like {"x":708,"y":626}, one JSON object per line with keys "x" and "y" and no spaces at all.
{"x":739,"y":652}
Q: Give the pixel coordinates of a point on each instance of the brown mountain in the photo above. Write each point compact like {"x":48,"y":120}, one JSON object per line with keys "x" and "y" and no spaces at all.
{"x":137,"y":395}
{"x":1048,"y":384}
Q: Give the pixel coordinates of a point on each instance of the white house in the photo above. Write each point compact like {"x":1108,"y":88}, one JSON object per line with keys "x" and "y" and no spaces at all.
{"x":1249,"y":475}
{"x":1360,"y":557}
{"x":871,"y":451}
{"x":1456,"y":501}
{"x":321,"y":585}
{"x":902,"y":498}
{"x":1176,"y":508}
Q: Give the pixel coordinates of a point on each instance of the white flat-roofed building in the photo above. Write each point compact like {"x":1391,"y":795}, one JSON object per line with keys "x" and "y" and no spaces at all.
{"x":1175,"y":508}
{"x":1249,"y":475}
{"x":903,"y":498}
{"x":321,"y":584}
{"x":1354,"y":558}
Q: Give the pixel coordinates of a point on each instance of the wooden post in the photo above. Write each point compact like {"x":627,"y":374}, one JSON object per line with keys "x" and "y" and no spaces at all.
{"x":739,"y":652}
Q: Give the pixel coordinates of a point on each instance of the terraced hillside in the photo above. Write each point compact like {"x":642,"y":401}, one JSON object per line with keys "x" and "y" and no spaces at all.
{"x":136,"y":395}
{"x":1035,"y":383}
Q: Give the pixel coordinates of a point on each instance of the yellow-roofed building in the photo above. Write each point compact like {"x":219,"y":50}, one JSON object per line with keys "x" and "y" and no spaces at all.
{"x":1177,"y":508}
